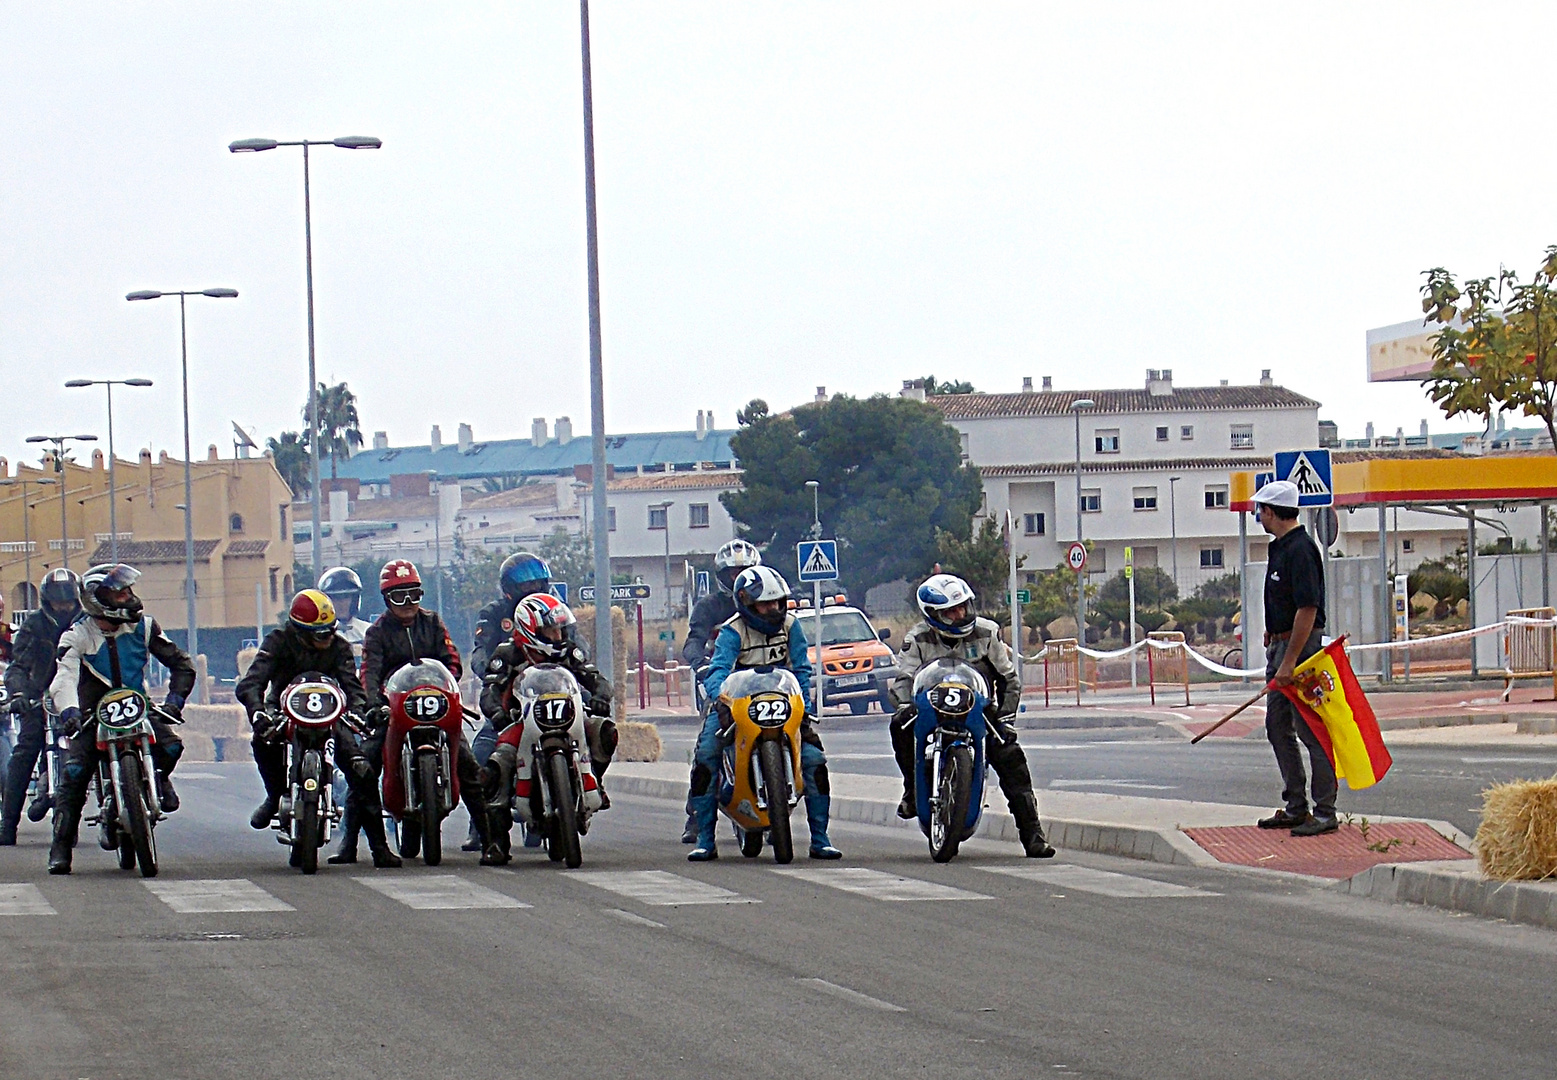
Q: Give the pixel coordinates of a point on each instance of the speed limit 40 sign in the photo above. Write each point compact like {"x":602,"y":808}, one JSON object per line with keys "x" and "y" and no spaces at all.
{"x":1076,"y":556}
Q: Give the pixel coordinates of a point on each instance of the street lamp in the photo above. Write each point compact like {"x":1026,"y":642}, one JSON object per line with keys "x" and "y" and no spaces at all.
{"x":1173,"y":524}
{"x":1081,"y":591}
{"x":345,"y":142}
{"x":59,"y":442}
{"x":26,"y":525}
{"x":432,"y":478}
{"x":113,"y":487}
{"x":189,"y":496}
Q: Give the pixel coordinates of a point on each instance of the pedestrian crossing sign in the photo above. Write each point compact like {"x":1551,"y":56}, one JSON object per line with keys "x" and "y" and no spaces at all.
{"x":1310,"y":471}
{"x":817,"y":559}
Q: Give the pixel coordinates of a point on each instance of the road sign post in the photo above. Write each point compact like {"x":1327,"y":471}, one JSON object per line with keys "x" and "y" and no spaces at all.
{"x":817,"y":561}
{"x":1130,"y":580}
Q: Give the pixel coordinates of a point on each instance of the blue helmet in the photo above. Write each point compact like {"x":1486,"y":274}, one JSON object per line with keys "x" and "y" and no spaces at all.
{"x":522,"y":574}
{"x":941,"y":593}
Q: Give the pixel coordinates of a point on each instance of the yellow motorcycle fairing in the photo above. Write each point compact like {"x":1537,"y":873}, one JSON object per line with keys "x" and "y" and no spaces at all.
{"x":758,"y":704}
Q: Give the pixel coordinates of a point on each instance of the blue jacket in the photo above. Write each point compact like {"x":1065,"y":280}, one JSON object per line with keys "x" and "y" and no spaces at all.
{"x":796,"y":654}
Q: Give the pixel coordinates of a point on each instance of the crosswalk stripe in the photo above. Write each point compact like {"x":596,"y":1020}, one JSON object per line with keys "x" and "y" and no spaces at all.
{"x":24,"y":900}
{"x":658,"y":888}
{"x":215,"y":894}
{"x":1101,"y":882}
{"x":439,"y":892}
{"x":878,"y":885}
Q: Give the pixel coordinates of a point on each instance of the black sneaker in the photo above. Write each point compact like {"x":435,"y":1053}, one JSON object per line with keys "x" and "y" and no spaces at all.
{"x":1282,"y":820}
{"x":1316,"y":826}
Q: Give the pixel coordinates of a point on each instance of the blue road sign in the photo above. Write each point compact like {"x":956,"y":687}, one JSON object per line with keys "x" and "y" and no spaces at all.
{"x":559,"y":589}
{"x":1310,"y":471}
{"x":817,"y":559}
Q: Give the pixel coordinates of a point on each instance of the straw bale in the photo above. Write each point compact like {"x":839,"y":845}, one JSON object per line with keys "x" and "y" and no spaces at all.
{"x":1517,"y":839}
{"x":637,"y":741}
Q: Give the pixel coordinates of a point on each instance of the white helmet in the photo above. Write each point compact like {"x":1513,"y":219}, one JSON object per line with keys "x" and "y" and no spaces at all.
{"x":756,"y":584}
{"x":939,"y":594}
{"x":732,"y":558}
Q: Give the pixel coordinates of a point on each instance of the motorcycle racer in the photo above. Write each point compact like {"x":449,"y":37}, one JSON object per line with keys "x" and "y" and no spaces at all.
{"x":28,"y":678}
{"x":761,"y":633}
{"x":950,"y":628}
{"x":344,"y":588}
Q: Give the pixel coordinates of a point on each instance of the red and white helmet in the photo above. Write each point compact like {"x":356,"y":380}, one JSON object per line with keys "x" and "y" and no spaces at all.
{"x":398,"y":574}
{"x":537,"y":614}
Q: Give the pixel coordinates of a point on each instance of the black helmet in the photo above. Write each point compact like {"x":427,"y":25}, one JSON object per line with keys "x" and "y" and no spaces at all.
{"x":344,"y":588}
{"x":60,"y":586}
{"x":107,"y":578}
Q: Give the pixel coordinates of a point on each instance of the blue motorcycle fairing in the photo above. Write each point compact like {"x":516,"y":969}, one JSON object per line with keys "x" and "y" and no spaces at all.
{"x":926,"y":723}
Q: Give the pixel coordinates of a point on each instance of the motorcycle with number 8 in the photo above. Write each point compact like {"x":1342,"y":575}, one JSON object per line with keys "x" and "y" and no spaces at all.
{"x":307,"y":814}
{"x":125,"y":786}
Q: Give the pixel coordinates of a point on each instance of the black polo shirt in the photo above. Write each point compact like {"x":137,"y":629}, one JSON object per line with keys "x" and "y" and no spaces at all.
{"x":1294,"y":578}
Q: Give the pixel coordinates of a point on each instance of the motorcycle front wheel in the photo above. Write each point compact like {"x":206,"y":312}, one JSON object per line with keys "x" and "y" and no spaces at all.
{"x":432,"y":823}
{"x":775,"y":780}
{"x":136,"y":819}
{"x":305,"y":837}
{"x":564,"y":835}
{"x":951,"y":810}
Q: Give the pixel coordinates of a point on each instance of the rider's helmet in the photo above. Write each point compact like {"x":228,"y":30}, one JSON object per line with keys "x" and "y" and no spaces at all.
{"x":108,"y":592}
{"x":938,"y":596}
{"x":732,"y":558}
{"x":755,"y":585}
{"x":541,"y":624}
{"x":522,"y":574}
{"x":60,"y":588}
{"x":313,"y":614}
{"x":344,"y":588}
{"x":400,"y":583}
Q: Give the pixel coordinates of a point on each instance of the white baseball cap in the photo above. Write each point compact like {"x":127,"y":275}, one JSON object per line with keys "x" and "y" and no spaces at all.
{"x":1278,"y":493}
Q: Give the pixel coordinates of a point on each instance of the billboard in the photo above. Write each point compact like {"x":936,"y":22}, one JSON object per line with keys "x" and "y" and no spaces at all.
{"x":1400,"y":353}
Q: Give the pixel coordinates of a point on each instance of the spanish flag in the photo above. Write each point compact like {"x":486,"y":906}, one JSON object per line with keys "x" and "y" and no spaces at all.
{"x":1326,"y":692}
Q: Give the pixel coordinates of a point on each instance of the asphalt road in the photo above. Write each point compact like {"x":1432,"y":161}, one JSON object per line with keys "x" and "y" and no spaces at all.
{"x":667,"y":969}
{"x":1438,"y":783}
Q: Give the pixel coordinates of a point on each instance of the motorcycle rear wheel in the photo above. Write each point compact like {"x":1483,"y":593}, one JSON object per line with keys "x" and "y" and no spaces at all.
{"x":751,"y":843}
{"x":432,"y":821}
{"x":950,"y":815}
{"x":775,"y":780}
{"x":564,"y":842}
{"x":139,"y":824}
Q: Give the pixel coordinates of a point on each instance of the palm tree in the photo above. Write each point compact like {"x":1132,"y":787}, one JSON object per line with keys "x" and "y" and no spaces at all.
{"x":290,"y":454}
{"x":339,"y":434}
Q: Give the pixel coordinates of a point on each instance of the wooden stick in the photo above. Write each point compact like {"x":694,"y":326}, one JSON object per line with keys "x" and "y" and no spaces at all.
{"x":1265,"y":690}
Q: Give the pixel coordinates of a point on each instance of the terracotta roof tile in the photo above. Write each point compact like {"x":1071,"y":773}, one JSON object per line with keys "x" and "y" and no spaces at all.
{"x":1068,"y":468}
{"x":152,"y":551}
{"x":1057,"y":403}
{"x":682,"y":481}
{"x":241,"y":549}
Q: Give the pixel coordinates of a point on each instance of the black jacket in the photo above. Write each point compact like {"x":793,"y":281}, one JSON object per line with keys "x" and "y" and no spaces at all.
{"x":390,"y":645}
{"x":710,"y":613}
{"x":283,"y":656}
{"x":508,"y":666}
{"x":33,"y":654}
{"x":494,"y":623}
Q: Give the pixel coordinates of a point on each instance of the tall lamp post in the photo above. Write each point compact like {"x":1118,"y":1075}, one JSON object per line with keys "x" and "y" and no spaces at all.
{"x":22,"y":482}
{"x":190,"y":620}
{"x":1081,"y":575}
{"x":1173,"y":524}
{"x":345,"y":142}
{"x":113,"y":487}
{"x":59,"y":442}
{"x":664,"y":508}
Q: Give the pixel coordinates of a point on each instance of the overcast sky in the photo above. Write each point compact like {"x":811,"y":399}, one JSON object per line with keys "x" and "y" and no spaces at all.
{"x":791,"y":194}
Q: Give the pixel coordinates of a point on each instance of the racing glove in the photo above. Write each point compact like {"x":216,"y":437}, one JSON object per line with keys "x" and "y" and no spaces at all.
{"x":263,"y":723}
{"x":173,"y":706}
{"x":70,"y":721}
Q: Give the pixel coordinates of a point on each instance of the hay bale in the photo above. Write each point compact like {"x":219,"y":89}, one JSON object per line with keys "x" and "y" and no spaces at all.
{"x":585,"y":633}
{"x":637,"y":741}
{"x":198,"y":746}
{"x":1517,"y":838}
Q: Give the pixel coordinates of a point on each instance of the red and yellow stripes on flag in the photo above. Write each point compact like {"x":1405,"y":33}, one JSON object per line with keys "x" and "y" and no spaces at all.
{"x":1326,"y":692}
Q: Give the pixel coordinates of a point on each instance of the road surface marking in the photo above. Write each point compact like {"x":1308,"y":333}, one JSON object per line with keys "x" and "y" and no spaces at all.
{"x":24,"y":900}
{"x":1483,"y":760}
{"x":878,"y":885}
{"x":629,"y":917}
{"x":658,"y":888}
{"x":859,"y":757}
{"x":185,"y":774}
{"x":439,"y":892}
{"x":231,"y":894}
{"x":1138,"y":785}
{"x":1101,"y":882}
{"x":852,"y":995}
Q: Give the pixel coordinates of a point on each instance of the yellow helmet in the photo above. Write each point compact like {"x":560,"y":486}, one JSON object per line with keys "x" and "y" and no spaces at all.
{"x":313,"y":613}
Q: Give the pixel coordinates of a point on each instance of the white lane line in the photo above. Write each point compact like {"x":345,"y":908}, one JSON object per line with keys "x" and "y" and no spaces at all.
{"x":1101,"y":882}
{"x":24,"y":900}
{"x":231,"y":894}
{"x":855,"y":996}
{"x":629,"y":917}
{"x":1140,"y":785}
{"x":658,"y":888}
{"x":859,"y":757}
{"x":185,"y":774}
{"x":878,"y":885}
{"x":439,"y":892}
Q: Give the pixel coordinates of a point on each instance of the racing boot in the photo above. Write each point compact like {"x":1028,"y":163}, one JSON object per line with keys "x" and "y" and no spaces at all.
{"x":599,"y":769}
{"x":818,"y":806}
{"x":1029,"y":829}
{"x":350,"y":828}
{"x":705,"y":808}
{"x":165,"y":793}
{"x":66,"y":822}
{"x":908,"y":808}
{"x":15,"y":794}
{"x":265,"y":812}
{"x":689,"y":834}
{"x":373,"y":829}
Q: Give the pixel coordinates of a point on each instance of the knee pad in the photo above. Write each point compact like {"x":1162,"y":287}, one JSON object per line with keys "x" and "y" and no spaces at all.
{"x":701,"y":779}
{"x":608,"y":737}
{"x":174,"y":749}
{"x":361,"y":769}
{"x":75,"y":772}
{"x":823,"y":787}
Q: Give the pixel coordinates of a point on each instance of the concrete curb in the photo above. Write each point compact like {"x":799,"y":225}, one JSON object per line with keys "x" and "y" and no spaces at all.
{"x":1458,"y":887}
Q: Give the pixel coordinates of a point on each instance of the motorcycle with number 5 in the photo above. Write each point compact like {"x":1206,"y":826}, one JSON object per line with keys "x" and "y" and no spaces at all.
{"x":125,"y":785}
{"x":307,"y":814}
{"x":949,"y":753}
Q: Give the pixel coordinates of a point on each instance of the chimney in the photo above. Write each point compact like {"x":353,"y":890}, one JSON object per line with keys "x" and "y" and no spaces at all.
{"x":381,"y":440}
{"x":1027,"y":384}
{"x":211,"y":453}
{"x":1400,"y":436}
{"x":912,"y":388}
{"x":1368,"y":432}
{"x":538,"y":431}
{"x":97,"y":460}
{"x":437,"y":439}
{"x":1048,"y":384}
{"x":5,"y":467}
{"x":564,"y":430}
{"x":1159,"y":383}
{"x":702,"y":431}
{"x":1265,"y":379}
{"x":450,"y":498}
{"x":821,"y":395}
{"x":710,"y":416}
{"x":340,"y":503}
{"x":464,"y":438}
{"x":162,"y":457}
{"x":1224,"y":382}
{"x":1423,"y":431}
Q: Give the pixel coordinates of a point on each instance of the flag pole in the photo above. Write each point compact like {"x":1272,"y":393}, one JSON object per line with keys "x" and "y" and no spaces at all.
{"x":1262,"y":692}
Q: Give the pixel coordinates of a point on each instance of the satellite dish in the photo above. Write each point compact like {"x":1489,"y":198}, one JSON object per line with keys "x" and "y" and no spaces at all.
{"x":243,"y":437}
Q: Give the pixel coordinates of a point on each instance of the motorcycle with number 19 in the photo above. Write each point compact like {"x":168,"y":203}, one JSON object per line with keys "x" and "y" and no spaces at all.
{"x":420,"y":784}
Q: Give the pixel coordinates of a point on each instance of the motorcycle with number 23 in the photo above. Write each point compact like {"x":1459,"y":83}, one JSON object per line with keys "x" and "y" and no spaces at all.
{"x":125,"y":786}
